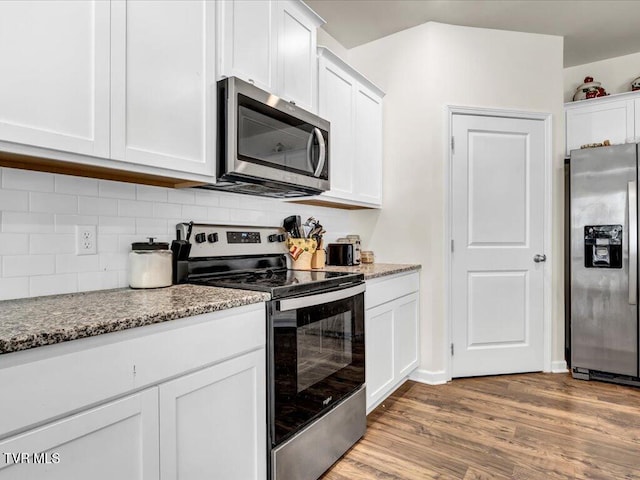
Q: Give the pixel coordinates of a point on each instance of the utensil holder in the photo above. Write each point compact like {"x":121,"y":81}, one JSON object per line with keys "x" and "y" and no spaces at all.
{"x":318,"y":259}
{"x":308,"y":246}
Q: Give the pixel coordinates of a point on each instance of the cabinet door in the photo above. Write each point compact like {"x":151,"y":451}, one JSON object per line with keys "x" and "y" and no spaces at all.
{"x":297,"y":64}
{"x":118,"y":440}
{"x":54,"y":86}
{"x":213,"y":422}
{"x":163,"y":83}
{"x":247,"y":41}
{"x":379,"y":344}
{"x":335,"y":103}
{"x":406,"y":335}
{"x":368,"y":146}
{"x":598,"y":121}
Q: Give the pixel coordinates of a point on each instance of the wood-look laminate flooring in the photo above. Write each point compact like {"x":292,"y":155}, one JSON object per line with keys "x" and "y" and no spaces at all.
{"x":525,"y":427}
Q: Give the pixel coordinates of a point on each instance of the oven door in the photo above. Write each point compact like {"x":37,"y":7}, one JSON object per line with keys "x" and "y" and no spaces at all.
{"x":316,"y":356}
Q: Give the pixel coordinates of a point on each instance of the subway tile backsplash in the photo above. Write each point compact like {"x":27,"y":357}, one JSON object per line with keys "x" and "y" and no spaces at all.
{"x":39,"y":212}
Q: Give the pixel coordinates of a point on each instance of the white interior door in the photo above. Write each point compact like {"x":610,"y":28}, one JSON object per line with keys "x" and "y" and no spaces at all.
{"x":498,"y":171}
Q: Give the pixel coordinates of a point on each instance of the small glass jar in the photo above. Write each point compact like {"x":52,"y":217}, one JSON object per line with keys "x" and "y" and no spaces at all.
{"x":150,"y":265}
{"x":366,"y":256}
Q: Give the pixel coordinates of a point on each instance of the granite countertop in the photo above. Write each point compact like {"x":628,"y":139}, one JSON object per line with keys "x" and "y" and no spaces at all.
{"x":375,"y":270}
{"x":33,"y":322}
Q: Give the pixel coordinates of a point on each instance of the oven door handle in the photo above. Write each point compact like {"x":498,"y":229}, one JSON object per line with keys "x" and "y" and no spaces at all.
{"x":311,"y":300}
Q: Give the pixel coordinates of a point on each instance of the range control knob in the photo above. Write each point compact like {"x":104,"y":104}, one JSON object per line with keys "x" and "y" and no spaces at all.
{"x":279,"y":237}
{"x":212,"y":237}
{"x":200,"y":237}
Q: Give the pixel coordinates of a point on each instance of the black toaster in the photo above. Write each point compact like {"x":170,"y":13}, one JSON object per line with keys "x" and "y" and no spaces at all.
{"x":341,"y":254}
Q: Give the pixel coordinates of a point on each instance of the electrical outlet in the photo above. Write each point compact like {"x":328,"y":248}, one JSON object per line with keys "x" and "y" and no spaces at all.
{"x":86,"y":240}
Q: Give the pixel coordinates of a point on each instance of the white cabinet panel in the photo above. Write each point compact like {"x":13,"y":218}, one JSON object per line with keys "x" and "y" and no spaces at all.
{"x":335,"y":104}
{"x":163,"y":83}
{"x":368,"y":146}
{"x":213,"y":422}
{"x":594,"y":121}
{"x":247,"y":40}
{"x":406,"y":335}
{"x":379,"y":332}
{"x":118,"y":440}
{"x":54,"y":89}
{"x":297,"y":64}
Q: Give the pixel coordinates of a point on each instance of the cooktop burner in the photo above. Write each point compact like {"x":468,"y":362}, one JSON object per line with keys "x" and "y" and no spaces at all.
{"x":281,"y":283}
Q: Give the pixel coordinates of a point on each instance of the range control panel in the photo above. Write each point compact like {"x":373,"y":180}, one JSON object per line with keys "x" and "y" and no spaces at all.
{"x":209,"y":240}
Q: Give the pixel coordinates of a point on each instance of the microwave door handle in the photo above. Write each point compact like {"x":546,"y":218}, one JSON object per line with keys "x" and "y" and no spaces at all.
{"x":323,"y":152}
{"x":311,"y":300}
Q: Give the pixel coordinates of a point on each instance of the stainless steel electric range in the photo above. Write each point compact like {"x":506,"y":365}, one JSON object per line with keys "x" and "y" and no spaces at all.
{"x":315,"y":341}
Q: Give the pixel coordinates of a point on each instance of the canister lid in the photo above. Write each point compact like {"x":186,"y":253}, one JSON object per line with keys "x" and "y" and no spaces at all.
{"x":150,"y":245}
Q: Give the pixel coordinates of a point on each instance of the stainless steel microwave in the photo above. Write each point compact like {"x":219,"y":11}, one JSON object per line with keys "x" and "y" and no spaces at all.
{"x":268,"y":146}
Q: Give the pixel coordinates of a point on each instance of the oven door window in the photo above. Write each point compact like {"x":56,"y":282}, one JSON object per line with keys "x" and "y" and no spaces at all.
{"x":269,"y":137}
{"x":318,"y":359}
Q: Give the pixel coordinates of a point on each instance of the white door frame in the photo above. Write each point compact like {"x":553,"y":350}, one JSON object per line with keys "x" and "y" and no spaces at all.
{"x":548,"y":219}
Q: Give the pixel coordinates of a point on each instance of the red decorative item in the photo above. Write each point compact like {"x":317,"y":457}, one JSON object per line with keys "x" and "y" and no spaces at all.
{"x":588,"y":79}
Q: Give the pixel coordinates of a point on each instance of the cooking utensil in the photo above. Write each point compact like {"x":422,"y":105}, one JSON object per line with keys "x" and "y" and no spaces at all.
{"x":291,"y":224}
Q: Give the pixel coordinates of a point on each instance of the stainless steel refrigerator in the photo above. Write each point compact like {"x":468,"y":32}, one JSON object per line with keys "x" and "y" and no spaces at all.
{"x":604,"y":263}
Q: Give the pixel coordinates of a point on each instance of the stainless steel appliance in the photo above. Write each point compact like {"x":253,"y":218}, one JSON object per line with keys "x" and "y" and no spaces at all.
{"x":268,"y":146}
{"x":604,"y":263}
{"x":341,"y":254}
{"x":315,"y":341}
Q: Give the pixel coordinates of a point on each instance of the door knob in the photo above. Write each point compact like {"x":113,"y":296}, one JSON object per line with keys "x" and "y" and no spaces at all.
{"x":539,"y":258}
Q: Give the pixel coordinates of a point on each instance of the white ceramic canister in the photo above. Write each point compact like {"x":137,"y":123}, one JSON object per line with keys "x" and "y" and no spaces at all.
{"x":150,"y":265}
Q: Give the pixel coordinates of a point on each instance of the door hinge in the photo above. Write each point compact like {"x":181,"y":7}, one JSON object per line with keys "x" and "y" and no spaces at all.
{"x":451,"y":246}
{"x":452,"y":349}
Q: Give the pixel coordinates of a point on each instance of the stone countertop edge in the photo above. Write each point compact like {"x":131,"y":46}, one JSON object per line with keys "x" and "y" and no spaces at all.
{"x":33,"y":322}
{"x":374,"y":270}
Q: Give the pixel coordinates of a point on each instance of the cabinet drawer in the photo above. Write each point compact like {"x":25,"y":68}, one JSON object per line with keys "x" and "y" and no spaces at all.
{"x":385,"y":289}
{"x":52,"y":381}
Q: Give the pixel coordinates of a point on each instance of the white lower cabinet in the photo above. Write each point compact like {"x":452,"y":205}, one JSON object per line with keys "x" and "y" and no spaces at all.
{"x":118,"y":440}
{"x":199,"y":412}
{"x":391,"y":334}
{"x":213,"y":422}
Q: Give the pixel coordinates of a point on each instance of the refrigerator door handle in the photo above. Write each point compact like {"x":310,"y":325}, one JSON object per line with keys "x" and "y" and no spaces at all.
{"x":633,"y":243}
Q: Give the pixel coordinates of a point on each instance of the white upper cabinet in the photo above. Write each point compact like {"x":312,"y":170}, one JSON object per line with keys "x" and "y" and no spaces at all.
{"x":54,"y":86}
{"x":610,"y":118}
{"x":247,"y":40}
{"x":336,"y":104}
{"x":297,"y":61}
{"x":272,"y":44}
{"x":368,"y":146}
{"x":163,"y":83}
{"x":353,"y":105}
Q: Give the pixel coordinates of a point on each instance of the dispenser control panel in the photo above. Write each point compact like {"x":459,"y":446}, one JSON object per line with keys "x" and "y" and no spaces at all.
{"x":603,"y":246}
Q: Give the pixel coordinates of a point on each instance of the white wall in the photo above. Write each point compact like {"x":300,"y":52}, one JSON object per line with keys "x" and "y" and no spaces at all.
{"x":326,"y":40}
{"x":39,"y":211}
{"x":422,"y":70}
{"x":615,"y":74}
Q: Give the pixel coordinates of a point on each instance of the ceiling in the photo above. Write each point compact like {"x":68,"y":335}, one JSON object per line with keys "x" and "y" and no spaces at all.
{"x":592,"y":30}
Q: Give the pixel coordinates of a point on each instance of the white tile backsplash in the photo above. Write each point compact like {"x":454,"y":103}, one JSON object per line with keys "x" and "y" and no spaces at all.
{"x":39,"y":213}
{"x":23,"y":222}
{"x":76,"y":185}
{"x":30,"y":265}
{"x":53,"y":284}
{"x":14,"y":200}
{"x":53,"y":203}
{"x":97,"y":206}
{"x":26,"y":180}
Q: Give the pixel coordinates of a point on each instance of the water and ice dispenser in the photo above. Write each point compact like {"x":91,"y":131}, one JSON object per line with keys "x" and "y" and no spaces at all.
{"x":603,"y":246}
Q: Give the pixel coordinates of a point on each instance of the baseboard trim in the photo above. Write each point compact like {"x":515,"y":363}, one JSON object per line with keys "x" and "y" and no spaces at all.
{"x":559,"y":366}
{"x":430,"y":378}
